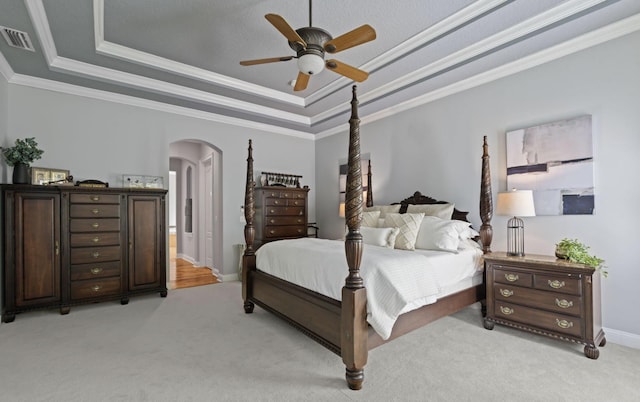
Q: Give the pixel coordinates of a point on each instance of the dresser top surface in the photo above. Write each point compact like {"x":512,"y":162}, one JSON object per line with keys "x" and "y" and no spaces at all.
{"x":535,"y":259}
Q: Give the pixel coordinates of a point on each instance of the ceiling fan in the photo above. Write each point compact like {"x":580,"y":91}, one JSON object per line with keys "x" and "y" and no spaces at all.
{"x":311,"y":43}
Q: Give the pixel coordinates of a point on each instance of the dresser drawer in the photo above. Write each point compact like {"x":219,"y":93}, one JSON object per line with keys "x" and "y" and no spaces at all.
{"x":285,"y":220}
{"x":560,"y":303}
{"x":558,"y":323}
{"x":94,"y":211}
{"x":88,"y":198}
{"x":285,"y":231}
{"x":287,"y":194}
{"x":558,"y":284}
{"x":505,"y":275}
{"x":95,"y":225}
{"x":95,"y":288}
{"x":283,"y":202}
{"x":295,"y":211}
{"x":86,"y":255}
{"x":94,"y":239}
{"x":96,"y":270}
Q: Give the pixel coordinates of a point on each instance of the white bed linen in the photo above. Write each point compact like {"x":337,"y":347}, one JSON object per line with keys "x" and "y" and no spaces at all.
{"x":397,"y":281}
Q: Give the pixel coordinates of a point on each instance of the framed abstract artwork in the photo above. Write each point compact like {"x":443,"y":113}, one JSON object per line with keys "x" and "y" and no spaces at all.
{"x":555,"y":160}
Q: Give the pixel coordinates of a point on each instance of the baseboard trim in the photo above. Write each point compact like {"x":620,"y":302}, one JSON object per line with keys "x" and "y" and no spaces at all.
{"x":622,"y":338}
{"x":229,"y":277}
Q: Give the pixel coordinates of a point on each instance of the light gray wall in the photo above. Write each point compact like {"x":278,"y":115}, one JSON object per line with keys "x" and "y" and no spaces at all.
{"x":436,"y":148}
{"x":100,"y":139}
{"x":4,"y":123}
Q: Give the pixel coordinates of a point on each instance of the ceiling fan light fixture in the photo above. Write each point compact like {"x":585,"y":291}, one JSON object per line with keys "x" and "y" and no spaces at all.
{"x":310,"y":64}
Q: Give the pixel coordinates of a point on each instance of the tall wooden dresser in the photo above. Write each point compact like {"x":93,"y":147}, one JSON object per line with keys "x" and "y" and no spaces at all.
{"x":281,"y":213}
{"x":66,"y":245}
{"x":546,"y":296}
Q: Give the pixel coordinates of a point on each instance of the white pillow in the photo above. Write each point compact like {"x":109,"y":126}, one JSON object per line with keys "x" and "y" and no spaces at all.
{"x":409,"y":224}
{"x":383,"y":237}
{"x":465,"y":230}
{"x":381,"y":223}
{"x":438,"y":234}
{"x":443,"y":211}
{"x":370,"y":219}
{"x":384,"y":209}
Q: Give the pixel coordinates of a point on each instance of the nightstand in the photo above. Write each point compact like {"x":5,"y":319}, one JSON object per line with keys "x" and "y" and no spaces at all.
{"x":546,"y":296}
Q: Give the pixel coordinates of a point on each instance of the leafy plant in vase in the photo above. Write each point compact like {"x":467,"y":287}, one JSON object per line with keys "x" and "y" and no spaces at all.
{"x":20,"y":156}
{"x":575,"y":251}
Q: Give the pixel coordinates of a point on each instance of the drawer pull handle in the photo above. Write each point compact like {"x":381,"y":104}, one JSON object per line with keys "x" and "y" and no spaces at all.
{"x":506,"y":310}
{"x":95,"y":225}
{"x":511,"y":277}
{"x":564,"y":324}
{"x":556,"y":284}
{"x":95,"y":239}
{"x":299,"y":220}
{"x":299,"y":230}
{"x":96,"y":271}
{"x":95,"y":198}
{"x":95,"y":254}
{"x":506,"y":292}
{"x":277,"y":202}
{"x":96,"y":288}
{"x":564,"y":303}
{"x":95,"y":211}
{"x":273,"y":211}
{"x":296,"y":203}
{"x":272,"y":221}
{"x":57,"y":248}
{"x":272,"y":232}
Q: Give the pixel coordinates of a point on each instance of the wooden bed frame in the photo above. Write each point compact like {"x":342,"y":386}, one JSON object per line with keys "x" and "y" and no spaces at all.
{"x":342,"y":326}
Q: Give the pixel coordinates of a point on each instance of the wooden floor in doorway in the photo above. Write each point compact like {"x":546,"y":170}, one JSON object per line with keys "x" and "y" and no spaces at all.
{"x":186,"y":274}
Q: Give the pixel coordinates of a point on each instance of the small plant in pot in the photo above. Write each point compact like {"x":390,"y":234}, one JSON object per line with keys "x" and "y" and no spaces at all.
{"x":20,"y":157}
{"x":575,"y":251}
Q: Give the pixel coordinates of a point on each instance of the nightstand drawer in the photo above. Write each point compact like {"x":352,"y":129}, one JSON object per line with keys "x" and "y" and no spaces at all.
{"x":558,"y":284}
{"x":95,"y":198}
{"x":283,"y":202}
{"x":564,"y":304}
{"x":94,"y":239}
{"x":94,"y":211}
{"x":94,"y":225}
{"x":97,"y":270}
{"x":542,"y":319}
{"x":512,"y":277}
{"x":88,"y":255}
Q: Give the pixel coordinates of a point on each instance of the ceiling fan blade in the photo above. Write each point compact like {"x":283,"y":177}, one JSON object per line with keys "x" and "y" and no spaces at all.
{"x":358,"y":36}
{"x":301,"y":82}
{"x":263,"y":61}
{"x":347,"y":70}
{"x":285,"y":29}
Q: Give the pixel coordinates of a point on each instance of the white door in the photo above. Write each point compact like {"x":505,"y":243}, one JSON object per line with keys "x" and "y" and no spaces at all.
{"x":208,"y":212}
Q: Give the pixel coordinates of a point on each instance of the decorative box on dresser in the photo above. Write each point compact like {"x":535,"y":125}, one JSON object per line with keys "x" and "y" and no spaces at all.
{"x":546,"y":296}
{"x":281,"y":213}
{"x":66,"y":245}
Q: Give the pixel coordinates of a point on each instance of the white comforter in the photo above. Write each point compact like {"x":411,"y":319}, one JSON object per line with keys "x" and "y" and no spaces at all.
{"x":394,"y":279}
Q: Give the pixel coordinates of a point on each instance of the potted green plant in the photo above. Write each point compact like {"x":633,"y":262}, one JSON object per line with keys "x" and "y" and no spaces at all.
{"x":575,"y":251}
{"x":20,"y":157}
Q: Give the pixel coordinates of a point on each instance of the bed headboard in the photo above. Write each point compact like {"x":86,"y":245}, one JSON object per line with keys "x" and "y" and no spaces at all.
{"x":418,"y":199}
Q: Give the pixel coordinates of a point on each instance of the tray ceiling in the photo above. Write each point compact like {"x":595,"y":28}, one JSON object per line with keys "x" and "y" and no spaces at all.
{"x":184,"y":56}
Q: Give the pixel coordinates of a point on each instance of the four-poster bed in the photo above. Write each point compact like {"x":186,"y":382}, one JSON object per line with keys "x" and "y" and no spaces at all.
{"x":342,"y":326}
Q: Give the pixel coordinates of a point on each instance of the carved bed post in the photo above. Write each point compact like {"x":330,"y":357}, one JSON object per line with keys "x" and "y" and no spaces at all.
{"x":369,"y":186}
{"x":249,"y":257}
{"x":354,"y":296}
{"x":486,"y":201}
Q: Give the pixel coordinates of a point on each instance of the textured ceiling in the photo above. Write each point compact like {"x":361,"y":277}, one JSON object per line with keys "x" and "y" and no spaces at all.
{"x":183,"y":55}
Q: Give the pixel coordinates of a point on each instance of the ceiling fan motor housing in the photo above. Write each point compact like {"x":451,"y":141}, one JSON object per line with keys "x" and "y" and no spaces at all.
{"x":315,"y":39}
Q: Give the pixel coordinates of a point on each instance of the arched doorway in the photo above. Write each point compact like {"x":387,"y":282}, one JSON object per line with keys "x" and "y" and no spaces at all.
{"x":197,"y":227}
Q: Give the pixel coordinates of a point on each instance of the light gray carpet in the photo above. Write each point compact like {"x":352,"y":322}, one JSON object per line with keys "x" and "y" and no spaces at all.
{"x":198,"y":345}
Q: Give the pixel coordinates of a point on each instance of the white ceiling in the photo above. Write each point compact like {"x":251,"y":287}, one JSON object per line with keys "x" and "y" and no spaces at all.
{"x":183,"y":55}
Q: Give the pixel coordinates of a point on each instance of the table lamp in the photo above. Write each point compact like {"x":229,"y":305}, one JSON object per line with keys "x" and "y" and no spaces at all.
{"x":516,"y":203}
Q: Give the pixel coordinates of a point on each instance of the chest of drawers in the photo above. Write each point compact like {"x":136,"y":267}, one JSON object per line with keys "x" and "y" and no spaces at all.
{"x":281,"y":213}
{"x":546,"y":296}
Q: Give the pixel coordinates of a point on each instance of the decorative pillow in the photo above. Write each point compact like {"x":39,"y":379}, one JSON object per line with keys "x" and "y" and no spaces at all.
{"x":370,"y":219}
{"x":465,"y":230}
{"x":381,"y":223}
{"x":438,"y":234}
{"x":384,"y":209}
{"x":383,"y":237}
{"x":443,"y":211}
{"x":409,"y":224}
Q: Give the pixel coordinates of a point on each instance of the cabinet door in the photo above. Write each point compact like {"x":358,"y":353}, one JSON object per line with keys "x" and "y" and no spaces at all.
{"x":37,"y":248}
{"x":146,"y":242}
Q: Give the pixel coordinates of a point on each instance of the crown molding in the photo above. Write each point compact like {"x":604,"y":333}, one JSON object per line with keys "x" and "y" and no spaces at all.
{"x":493,"y":42}
{"x":149,"y":60}
{"x":5,"y":68}
{"x":70,"y":89}
{"x":613,"y":31}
